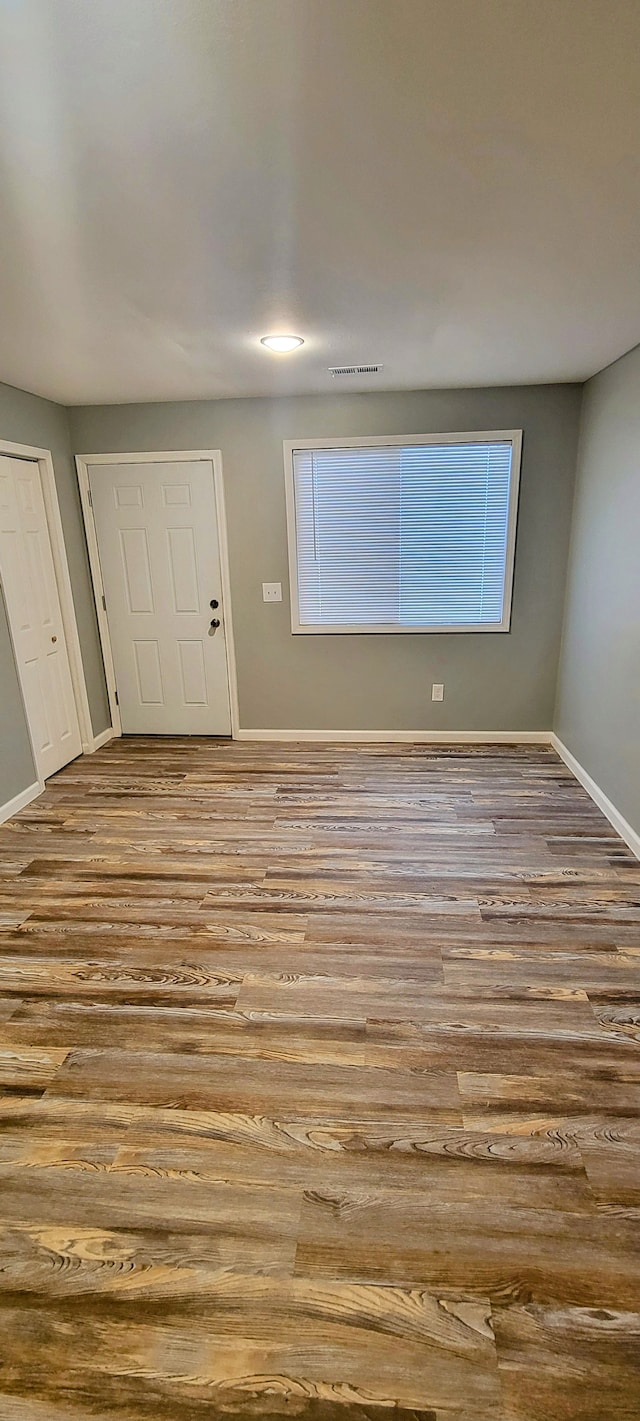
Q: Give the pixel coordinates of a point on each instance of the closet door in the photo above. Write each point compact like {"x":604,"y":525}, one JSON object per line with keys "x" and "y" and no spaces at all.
{"x":35,"y":619}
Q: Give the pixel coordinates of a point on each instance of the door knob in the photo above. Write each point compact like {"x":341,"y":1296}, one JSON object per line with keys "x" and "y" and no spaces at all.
{"x":213,"y":625}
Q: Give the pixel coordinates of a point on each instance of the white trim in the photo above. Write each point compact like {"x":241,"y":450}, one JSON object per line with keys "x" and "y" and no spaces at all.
{"x":454,"y":436}
{"x":102,"y":739}
{"x":620,"y":824}
{"x":406,"y":737}
{"x":13,"y":806}
{"x":151,"y":456}
{"x":511,"y":436}
{"x":98,"y":593}
{"x":172,"y":456}
{"x":44,"y":461}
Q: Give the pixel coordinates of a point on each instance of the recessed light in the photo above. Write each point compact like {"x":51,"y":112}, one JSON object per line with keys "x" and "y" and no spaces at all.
{"x":282,"y":343}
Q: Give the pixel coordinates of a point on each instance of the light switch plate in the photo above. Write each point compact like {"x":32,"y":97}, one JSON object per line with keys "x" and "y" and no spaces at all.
{"x":437,"y":691}
{"x":272,"y":591}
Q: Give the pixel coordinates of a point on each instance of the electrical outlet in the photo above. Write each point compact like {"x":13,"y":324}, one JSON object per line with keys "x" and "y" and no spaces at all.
{"x":437,"y":691}
{"x":272,"y":591}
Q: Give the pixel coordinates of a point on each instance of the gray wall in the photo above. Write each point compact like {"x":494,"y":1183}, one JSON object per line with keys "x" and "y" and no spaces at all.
{"x":27,"y":419}
{"x":598,"y":710}
{"x":493,"y":681}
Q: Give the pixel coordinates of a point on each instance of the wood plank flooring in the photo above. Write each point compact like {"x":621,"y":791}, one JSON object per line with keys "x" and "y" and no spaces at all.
{"x":319,"y":1089}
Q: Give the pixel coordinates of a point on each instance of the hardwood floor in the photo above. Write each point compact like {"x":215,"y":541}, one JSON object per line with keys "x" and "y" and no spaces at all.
{"x":320,"y":1089}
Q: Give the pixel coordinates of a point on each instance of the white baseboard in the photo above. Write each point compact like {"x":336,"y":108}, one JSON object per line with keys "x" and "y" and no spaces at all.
{"x":20,"y":801}
{"x":99,"y":740}
{"x":406,"y":737}
{"x":620,"y":824}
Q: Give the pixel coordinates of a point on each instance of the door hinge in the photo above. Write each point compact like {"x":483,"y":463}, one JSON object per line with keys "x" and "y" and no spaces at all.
{"x":104,"y":603}
{"x":117,"y":701}
{"x":89,"y":498}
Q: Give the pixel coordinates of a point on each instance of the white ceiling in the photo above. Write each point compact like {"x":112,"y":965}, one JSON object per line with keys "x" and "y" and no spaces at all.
{"x":451,"y":187}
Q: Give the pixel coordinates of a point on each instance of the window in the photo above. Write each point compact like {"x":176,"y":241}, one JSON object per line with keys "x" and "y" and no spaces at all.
{"x":403,"y":535}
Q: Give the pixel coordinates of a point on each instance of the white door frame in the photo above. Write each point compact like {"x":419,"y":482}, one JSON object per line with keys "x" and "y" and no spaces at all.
{"x":84,"y":462}
{"x":44,"y":461}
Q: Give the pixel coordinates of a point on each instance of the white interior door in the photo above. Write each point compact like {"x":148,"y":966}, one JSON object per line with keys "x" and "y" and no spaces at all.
{"x":157,"y":533}
{"x":35,"y":618}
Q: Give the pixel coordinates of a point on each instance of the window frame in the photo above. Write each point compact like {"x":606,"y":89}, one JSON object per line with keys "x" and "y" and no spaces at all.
{"x":512,"y":436}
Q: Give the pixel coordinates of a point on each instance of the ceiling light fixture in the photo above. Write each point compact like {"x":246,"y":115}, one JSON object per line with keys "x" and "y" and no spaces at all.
{"x":281,"y":343}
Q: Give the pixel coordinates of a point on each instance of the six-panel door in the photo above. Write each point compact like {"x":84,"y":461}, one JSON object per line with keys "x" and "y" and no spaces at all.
{"x":33,"y":608}
{"x":157,"y":534}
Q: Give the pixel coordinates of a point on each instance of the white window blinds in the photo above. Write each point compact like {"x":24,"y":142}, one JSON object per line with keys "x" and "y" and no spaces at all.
{"x":395,"y":536}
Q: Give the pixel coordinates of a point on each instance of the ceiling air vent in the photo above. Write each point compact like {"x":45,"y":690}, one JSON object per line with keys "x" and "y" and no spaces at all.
{"x":354,"y":370}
